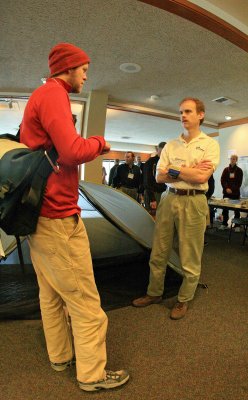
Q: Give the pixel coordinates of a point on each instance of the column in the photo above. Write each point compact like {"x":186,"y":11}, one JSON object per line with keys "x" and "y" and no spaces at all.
{"x":94,"y":125}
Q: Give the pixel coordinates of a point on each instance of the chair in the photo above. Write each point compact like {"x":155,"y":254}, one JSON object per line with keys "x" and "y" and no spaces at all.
{"x":239,"y":222}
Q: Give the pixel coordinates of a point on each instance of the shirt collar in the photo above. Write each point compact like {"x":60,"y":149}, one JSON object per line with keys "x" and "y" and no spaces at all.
{"x":202,"y":135}
{"x":61,"y":82}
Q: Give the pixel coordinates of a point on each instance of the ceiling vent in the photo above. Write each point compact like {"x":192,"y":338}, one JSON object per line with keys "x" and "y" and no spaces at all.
{"x":224,"y":100}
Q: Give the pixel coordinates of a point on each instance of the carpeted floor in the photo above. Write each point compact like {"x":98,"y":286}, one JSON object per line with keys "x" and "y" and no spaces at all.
{"x":202,"y":357}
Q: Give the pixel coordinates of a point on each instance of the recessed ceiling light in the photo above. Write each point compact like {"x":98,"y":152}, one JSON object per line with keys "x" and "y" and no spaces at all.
{"x":130,"y":68}
{"x":228,"y":117}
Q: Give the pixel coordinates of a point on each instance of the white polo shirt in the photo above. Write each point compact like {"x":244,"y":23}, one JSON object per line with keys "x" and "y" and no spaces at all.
{"x":180,"y":153}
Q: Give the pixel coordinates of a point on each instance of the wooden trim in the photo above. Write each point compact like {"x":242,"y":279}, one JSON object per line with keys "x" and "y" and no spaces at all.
{"x":134,"y":109}
{"x":204,"y":18}
{"x":233,"y":123}
{"x":112,"y":155}
{"x":153,"y":113}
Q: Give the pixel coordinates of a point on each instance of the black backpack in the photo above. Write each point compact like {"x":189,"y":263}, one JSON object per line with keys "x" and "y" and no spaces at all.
{"x":23,"y":178}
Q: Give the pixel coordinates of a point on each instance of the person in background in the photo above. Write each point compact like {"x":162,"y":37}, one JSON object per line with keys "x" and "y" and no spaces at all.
{"x":152,"y":189}
{"x":231,"y":181}
{"x":140,"y":164}
{"x":59,"y":248}
{"x":104,"y":174}
{"x":209,"y":193}
{"x":112,"y":171}
{"x":185,"y":165}
{"x":127,"y":176}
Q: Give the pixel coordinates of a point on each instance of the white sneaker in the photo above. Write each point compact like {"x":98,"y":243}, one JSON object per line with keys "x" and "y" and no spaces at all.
{"x":112,"y":380}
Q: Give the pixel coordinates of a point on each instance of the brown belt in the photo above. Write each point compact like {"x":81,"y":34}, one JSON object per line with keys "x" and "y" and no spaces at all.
{"x":186,"y":192}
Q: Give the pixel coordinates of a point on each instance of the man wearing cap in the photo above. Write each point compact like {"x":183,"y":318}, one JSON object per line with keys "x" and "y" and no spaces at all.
{"x":59,"y":248}
{"x":185,"y":165}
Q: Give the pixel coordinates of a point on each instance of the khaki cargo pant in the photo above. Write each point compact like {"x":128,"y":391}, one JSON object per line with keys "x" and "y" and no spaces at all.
{"x":186,"y":214}
{"x":61,"y":257}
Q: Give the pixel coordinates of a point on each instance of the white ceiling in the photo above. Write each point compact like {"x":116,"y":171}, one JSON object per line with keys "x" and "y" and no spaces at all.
{"x":177,"y":59}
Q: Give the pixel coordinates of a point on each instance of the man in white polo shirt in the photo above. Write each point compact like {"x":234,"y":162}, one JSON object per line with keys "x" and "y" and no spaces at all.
{"x":185,"y":165}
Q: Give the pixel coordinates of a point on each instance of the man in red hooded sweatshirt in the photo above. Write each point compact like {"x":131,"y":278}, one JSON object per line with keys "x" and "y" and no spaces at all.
{"x":59,"y":248}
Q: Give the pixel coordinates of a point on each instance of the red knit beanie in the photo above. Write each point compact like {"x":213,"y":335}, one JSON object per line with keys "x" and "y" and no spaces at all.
{"x":65,"y":56}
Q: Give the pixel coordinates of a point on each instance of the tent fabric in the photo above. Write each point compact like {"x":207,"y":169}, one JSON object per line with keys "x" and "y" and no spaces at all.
{"x":122,"y":210}
{"x":126,"y":213}
{"x":119,"y":228}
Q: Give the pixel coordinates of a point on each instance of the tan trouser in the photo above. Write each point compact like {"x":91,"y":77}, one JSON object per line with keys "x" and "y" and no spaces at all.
{"x":188,"y":215}
{"x":61,"y":257}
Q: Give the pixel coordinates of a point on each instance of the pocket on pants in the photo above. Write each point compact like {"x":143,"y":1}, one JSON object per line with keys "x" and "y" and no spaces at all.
{"x":200,"y":205}
{"x":60,"y":252}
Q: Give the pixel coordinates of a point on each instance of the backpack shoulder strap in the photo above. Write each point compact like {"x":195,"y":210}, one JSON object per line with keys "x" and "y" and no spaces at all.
{"x":38,"y":183}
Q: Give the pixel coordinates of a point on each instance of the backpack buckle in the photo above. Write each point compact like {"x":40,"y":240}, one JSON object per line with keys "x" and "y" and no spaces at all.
{"x":54,"y":167}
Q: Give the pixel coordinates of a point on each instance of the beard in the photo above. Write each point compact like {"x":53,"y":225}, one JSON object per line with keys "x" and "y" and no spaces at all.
{"x":76,"y":88}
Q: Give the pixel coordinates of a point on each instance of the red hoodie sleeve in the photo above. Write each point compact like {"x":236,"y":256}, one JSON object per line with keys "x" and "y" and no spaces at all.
{"x":54,"y":111}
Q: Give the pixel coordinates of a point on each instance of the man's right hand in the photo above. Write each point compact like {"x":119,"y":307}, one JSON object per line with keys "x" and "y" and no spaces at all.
{"x":106,"y":148}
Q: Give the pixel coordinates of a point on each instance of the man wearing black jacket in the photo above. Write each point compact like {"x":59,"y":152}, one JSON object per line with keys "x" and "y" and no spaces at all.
{"x":231,"y":181}
{"x":127,"y":176}
{"x":152,"y":189}
{"x":112,"y":171}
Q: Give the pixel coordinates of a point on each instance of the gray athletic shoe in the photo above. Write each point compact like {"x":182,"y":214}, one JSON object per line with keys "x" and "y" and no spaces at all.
{"x":112,"y":380}
{"x":59,"y":367}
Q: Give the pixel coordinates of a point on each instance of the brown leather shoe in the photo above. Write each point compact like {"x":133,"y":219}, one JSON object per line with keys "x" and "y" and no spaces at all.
{"x":179,"y":310}
{"x":146,"y":301}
